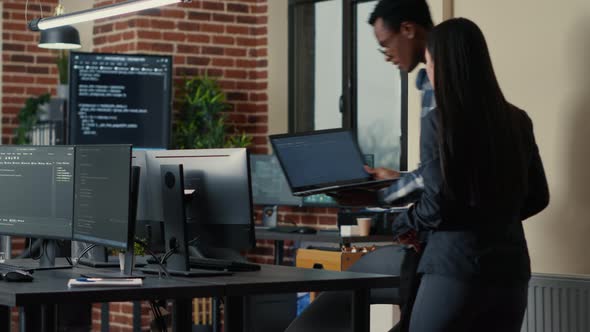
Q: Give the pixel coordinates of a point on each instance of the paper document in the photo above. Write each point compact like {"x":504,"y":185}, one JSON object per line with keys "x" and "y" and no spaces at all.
{"x":111,"y":282}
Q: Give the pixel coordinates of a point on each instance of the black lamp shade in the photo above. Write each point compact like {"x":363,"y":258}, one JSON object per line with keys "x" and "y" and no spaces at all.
{"x":64,"y":37}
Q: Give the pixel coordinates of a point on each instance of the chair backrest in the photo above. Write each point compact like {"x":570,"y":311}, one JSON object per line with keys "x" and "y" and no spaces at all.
{"x":384,"y":260}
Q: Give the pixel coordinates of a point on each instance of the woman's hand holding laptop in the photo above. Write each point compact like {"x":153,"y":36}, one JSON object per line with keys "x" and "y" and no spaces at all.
{"x":366,"y":196}
{"x":382,"y":173}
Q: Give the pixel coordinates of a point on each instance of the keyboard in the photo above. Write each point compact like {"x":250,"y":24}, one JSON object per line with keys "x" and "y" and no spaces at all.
{"x":293,"y":229}
{"x":222,"y":265}
{"x":10,"y":267}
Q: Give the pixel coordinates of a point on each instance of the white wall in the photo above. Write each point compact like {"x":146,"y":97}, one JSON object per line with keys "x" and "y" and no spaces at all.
{"x":540,"y":50}
{"x":278,"y":66}
{"x":414,"y":100}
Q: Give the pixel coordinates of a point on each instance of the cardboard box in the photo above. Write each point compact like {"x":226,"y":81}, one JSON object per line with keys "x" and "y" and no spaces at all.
{"x":327,"y":260}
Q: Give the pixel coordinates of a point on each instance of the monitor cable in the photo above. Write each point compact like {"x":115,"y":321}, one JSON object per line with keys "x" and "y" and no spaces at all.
{"x":84,"y":252}
{"x":151,"y":253}
{"x":39,"y":243}
{"x":160,"y":321}
{"x":173,"y":248}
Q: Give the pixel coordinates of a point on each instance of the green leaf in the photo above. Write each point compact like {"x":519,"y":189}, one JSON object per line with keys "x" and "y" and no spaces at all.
{"x":201,"y":123}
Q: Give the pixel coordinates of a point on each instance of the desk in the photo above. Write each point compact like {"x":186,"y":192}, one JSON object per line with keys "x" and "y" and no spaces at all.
{"x":49,"y":288}
{"x":321,"y":236}
{"x":275,"y":279}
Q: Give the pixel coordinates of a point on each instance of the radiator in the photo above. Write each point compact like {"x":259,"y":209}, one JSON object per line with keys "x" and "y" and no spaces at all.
{"x":558,"y":303}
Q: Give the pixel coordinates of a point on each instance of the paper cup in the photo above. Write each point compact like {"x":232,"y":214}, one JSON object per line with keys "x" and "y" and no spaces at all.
{"x":364,"y":226}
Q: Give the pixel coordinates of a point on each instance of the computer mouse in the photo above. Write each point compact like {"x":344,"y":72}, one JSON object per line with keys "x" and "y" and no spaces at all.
{"x":306,"y":230}
{"x":17,"y":275}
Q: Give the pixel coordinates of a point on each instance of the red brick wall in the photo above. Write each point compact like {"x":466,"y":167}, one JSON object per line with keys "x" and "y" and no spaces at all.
{"x":320,"y":218}
{"x":223,"y":39}
{"x":27,"y":70}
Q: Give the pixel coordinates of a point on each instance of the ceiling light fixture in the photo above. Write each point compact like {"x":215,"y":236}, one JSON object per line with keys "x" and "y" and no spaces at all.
{"x":60,"y":38}
{"x":98,"y":13}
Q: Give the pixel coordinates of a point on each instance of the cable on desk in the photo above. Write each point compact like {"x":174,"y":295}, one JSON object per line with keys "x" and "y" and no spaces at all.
{"x":174,"y":246}
{"x":41,"y":248}
{"x":167,"y":255}
{"x":84,"y":252}
{"x":194,"y":241}
{"x":151,"y":253}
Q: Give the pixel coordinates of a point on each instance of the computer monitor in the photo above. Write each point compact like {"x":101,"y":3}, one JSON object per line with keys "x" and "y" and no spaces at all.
{"x":269,"y":185}
{"x":36,"y":197}
{"x":37,"y":191}
{"x":147,"y":228}
{"x":219,"y":214}
{"x":120,"y":99}
{"x":103,"y":206}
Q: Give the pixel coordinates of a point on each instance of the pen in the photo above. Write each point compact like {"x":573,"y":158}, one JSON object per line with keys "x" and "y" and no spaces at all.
{"x":88,"y":279}
{"x":83,"y":279}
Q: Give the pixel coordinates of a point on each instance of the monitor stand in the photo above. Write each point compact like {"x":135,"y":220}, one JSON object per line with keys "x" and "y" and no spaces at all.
{"x":208,"y":252}
{"x":100,"y":259}
{"x":97,"y":257}
{"x":47,"y":261}
{"x":175,"y":225}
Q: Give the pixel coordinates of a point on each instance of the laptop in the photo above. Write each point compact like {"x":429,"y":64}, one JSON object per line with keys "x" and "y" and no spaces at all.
{"x":322,"y":161}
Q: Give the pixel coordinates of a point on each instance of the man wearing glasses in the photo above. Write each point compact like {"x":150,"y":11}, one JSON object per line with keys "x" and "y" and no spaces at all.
{"x":401,"y":28}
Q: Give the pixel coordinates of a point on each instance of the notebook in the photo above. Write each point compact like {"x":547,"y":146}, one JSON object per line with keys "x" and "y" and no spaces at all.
{"x":323,"y":161}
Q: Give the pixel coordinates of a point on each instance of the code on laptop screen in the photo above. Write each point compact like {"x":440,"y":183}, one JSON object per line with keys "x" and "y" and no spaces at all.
{"x":320,"y":158}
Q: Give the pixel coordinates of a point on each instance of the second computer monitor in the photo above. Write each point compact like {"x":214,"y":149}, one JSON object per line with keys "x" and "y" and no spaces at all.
{"x":102,"y":205}
{"x":219,"y":211}
{"x":269,"y":185}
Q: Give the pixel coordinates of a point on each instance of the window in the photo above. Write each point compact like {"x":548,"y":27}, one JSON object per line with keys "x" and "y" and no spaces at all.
{"x":338,"y":79}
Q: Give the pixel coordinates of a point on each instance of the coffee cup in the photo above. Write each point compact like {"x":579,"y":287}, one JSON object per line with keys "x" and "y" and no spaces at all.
{"x":364,"y":226}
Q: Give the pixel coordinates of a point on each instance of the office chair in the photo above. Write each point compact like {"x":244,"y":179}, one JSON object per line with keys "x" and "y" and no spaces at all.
{"x":330,"y":311}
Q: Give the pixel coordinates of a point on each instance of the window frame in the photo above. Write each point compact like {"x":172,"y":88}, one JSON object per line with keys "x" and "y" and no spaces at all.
{"x":349,"y":89}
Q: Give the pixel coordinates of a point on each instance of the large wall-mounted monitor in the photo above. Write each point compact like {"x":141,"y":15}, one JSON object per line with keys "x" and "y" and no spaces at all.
{"x":120,"y":99}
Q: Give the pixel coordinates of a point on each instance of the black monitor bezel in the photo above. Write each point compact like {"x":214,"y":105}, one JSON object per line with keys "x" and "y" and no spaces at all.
{"x":357,"y":149}
{"x":130,"y":214}
{"x":175,"y":157}
{"x":37,"y":235}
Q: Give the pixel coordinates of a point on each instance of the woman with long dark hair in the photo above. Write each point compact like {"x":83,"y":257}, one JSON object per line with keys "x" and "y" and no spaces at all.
{"x":485,"y":178}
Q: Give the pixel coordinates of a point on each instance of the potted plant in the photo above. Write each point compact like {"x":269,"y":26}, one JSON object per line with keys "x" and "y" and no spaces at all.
{"x":28,"y":117}
{"x":201,"y":123}
{"x":138,"y":250}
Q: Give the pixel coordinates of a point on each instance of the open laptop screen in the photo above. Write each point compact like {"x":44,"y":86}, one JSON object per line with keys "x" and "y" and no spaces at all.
{"x":319,"y":159}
